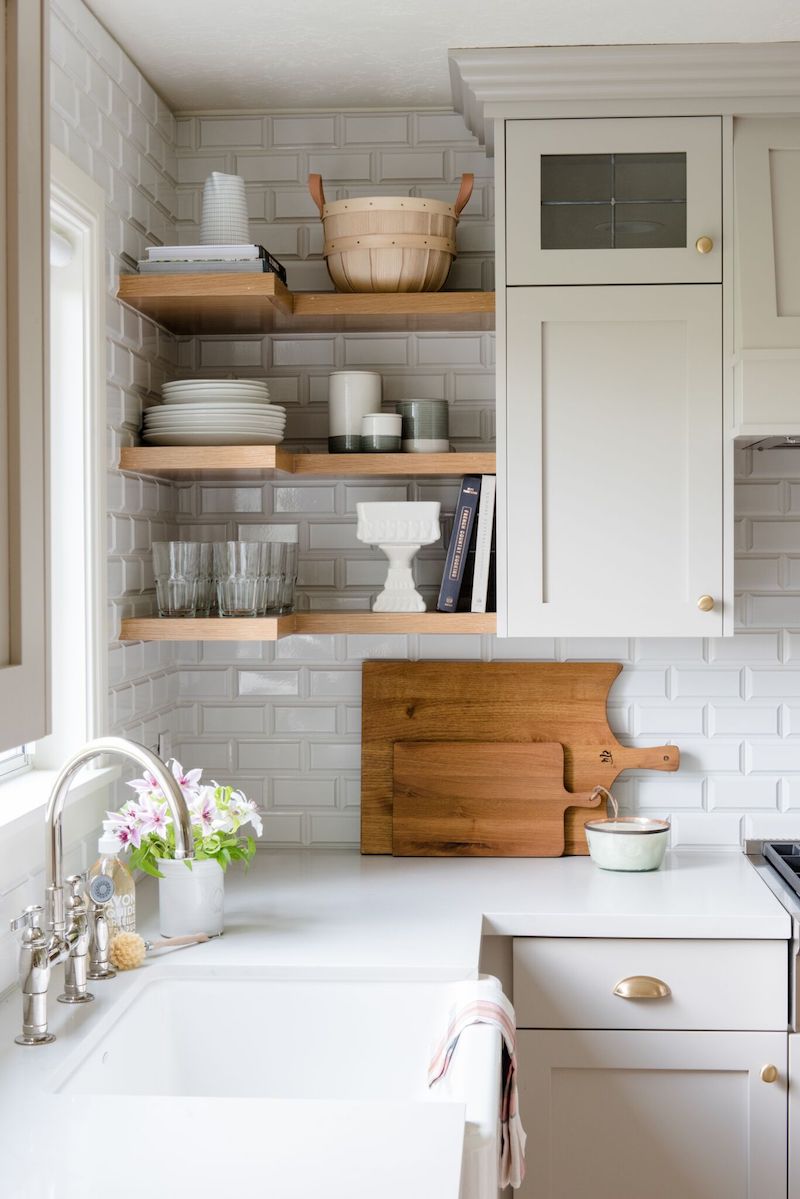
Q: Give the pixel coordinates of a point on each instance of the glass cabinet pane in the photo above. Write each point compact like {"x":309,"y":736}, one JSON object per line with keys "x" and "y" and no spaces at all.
{"x":613,"y":201}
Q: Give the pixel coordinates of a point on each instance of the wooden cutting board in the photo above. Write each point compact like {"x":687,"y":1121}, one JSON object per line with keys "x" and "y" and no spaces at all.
{"x":490,"y":799}
{"x":493,"y":701}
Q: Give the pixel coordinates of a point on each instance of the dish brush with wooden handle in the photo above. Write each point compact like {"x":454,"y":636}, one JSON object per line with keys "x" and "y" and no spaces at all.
{"x":127,"y":950}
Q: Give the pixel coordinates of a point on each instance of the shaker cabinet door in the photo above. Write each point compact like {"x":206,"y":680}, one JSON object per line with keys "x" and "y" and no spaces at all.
{"x":611,"y":462}
{"x":629,"y":200}
{"x":661,"y":1115}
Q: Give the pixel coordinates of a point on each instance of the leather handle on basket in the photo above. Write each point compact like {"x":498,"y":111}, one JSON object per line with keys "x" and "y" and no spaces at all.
{"x":318,"y":195}
{"x":465,"y":191}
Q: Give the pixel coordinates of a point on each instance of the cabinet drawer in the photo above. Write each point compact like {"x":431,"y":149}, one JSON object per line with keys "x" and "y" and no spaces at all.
{"x":562,"y":982}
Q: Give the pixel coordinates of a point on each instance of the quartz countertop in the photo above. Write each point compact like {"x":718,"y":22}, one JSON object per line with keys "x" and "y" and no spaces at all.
{"x":334,"y":914}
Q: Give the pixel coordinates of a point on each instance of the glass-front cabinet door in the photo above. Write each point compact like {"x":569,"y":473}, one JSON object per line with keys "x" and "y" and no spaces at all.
{"x":629,"y":200}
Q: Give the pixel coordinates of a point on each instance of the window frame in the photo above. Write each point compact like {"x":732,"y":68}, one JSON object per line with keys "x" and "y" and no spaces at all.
{"x":24,"y":637}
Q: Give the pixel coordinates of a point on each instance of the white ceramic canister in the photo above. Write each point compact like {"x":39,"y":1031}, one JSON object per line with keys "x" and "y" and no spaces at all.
{"x":191,"y":899}
{"x":352,"y":395}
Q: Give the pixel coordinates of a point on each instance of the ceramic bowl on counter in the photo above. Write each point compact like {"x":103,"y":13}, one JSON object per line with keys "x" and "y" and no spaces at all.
{"x":635,"y":843}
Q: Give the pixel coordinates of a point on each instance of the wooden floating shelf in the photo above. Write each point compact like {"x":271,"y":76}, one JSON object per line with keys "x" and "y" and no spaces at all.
{"x":256,"y":303}
{"x":272,"y":628}
{"x":255,"y":461}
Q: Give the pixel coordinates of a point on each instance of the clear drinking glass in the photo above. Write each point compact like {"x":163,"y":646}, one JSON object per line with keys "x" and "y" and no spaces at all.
{"x":205,"y":579}
{"x":273,"y":573}
{"x":236,"y":570}
{"x":175,"y":566}
{"x":289,"y":578}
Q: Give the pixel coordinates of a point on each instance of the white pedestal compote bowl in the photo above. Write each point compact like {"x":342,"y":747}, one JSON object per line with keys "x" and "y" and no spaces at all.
{"x":399,"y":530}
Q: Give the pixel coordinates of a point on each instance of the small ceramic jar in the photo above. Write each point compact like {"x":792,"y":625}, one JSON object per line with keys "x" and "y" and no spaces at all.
{"x":380,"y":433}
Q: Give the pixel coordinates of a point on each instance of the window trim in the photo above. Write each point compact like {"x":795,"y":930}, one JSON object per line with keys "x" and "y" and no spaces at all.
{"x":24,"y":693}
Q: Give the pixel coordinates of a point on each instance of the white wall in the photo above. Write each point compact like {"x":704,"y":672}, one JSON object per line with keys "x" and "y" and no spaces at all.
{"x":108,"y":120}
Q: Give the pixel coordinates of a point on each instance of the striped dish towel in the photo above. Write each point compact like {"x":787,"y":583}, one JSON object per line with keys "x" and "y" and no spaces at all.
{"x":480,"y":1001}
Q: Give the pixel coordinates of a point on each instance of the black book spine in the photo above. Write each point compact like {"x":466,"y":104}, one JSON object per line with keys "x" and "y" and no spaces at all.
{"x":459,"y":544}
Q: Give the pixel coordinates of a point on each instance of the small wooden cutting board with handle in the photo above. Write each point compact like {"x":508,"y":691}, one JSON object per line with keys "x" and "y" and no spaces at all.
{"x":493,"y":701}
{"x":492,"y":799}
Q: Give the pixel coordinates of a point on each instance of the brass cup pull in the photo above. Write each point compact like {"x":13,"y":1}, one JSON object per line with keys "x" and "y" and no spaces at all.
{"x":705,"y":603}
{"x":642,"y":986}
{"x":704,"y":245}
{"x":769,"y":1074}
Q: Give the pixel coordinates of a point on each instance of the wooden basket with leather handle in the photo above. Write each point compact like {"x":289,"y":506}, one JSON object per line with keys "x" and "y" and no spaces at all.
{"x":389,"y":243}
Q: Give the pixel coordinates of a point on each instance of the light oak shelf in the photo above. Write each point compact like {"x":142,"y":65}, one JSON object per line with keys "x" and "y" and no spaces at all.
{"x":272,"y":628}
{"x":262,"y":304}
{"x":254,"y":461}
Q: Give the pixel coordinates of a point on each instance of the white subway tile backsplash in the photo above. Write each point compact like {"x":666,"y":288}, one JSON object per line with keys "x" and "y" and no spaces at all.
{"x":663,"y":792}
{"x":230,"y":131}
{"x":341,"y":829}
{"x":719,"y":830}
{"x":268,"y":754}
{"x":343,"y":168}
{"x":268,"y":682}
{"x":743,"y":793}
{"x":311,"y":499}
{"x":268,"y":168}
{"x":673,"y":720}
{"x":203,"y":684}
{"x":303,"y":131}
{"x":747,"y":719}
{"x":411,"y":167}
{"x":304,"y":793}
{"x":380,"y":130}
{"x":334,"y":756}
{"x":304,"y":719}
{"x":241,"y":719}
{"x":707,"y":683}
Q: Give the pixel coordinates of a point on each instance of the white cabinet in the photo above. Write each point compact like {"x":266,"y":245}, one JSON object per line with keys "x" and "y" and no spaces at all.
{"x":612,"y":461}
{"x":767,"y":204}
{"x":661,"y":1115}
{"x":613,"y":201}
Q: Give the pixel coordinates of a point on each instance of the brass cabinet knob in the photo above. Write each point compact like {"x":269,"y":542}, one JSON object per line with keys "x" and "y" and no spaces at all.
{"x":769,"y":1074}
{"x":641,"y":986}
{"x":705,"y":603}
{"x":704,"y":245}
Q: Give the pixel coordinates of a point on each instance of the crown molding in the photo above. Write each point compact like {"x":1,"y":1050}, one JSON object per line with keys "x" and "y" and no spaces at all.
{"x":717,"y":78}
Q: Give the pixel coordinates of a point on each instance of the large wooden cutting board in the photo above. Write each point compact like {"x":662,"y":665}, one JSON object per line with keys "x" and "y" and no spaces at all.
{"x":481,"y":799}
{"x":493,"y":701}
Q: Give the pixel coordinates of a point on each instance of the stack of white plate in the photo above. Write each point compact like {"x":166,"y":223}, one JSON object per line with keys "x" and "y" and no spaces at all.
{"x":215,"y":412}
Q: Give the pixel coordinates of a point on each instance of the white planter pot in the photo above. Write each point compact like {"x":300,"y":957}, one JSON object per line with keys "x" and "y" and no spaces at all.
{"x":191,"y":901}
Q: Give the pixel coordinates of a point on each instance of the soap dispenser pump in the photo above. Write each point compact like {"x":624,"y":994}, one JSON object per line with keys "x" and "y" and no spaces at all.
{"x":121,"y":907}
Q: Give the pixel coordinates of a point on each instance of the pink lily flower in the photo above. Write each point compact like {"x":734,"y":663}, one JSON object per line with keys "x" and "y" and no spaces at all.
{"x":187,"y":780}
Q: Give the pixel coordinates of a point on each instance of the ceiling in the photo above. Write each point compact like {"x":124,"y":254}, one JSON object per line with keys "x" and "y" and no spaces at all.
{"x":383,"y":53}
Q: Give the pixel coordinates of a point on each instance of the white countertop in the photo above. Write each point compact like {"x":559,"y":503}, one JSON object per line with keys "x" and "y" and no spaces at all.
{"x":340,"y":911}
{"x":337,"y":914}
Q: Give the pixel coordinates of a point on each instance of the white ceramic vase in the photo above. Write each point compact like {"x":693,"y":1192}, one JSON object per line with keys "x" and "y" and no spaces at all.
{"x":399,"y":529}
{"x":191,"y":900}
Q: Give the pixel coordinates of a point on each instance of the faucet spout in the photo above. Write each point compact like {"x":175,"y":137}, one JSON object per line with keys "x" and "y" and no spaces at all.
{"x":118,"y":747}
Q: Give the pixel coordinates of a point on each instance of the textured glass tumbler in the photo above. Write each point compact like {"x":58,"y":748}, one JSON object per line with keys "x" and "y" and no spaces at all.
{"x":236,"y":570}
{"x":205,"y":579}
{"x":175,"y":566}
{"x":289,"y":579}
{"x":272,"y":574}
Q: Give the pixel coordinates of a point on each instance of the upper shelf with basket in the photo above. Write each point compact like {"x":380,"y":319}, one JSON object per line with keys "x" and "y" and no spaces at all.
{"x":386,"y":256}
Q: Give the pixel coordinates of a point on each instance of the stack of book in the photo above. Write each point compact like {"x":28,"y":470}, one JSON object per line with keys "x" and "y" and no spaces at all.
{"x":470,"y":566}
{"x":227,"y":260}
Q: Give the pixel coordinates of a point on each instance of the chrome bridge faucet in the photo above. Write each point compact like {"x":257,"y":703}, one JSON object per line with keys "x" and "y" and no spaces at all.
{"x":69,"y":923}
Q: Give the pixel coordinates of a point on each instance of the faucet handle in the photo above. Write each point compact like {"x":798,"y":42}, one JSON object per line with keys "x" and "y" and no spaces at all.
{"x":28,"y":919}
{"x":75,"y":883}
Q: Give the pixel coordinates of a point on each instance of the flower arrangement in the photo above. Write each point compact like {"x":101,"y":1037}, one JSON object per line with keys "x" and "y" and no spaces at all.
{"x":218,"y":814}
